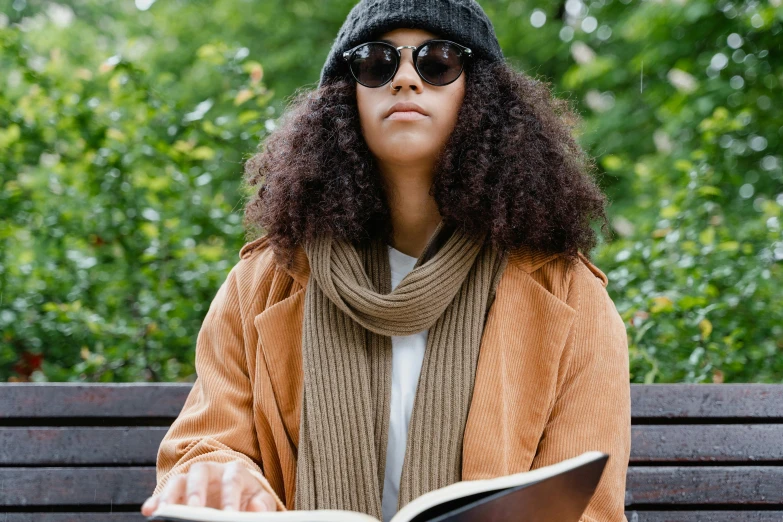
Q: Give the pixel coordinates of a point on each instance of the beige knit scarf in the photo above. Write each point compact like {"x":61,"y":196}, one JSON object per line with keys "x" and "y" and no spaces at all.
{"x":350,"y":313}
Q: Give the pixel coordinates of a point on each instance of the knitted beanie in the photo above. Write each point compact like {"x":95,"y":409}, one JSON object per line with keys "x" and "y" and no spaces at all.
{"x":462,"y":21}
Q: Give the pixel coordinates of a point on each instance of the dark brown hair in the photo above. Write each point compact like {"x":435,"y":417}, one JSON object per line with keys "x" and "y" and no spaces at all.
{"x":511,"y":169}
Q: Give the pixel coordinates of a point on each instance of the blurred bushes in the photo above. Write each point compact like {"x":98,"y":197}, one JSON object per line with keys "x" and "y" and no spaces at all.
{"x":119,"y":210}
{"x":123,"y":129}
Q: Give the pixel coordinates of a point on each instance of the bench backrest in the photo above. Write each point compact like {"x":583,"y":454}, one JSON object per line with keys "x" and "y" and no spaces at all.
{"x":87,"y":452}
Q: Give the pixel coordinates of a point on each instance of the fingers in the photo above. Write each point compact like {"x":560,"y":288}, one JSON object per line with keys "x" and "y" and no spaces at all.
{"x":174,"y":491}
{"x":197,"y":483}
{"x":230,"y":487}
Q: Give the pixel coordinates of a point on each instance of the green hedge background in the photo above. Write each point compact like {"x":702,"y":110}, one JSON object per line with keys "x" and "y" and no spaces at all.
{"x":124,"y":127}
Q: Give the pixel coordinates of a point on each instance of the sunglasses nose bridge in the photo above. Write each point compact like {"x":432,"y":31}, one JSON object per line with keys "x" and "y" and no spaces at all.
{"x":411,"y":47}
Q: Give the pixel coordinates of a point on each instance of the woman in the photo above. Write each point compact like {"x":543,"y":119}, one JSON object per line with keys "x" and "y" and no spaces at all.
{"x":421,"y":309}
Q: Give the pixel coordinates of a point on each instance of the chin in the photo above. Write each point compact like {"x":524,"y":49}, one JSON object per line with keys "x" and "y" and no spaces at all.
{"x":408,"y":142}
{"x":406,"y":152}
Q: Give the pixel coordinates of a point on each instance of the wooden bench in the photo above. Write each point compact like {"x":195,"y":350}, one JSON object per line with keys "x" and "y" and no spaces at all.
{"x":86,"y":452}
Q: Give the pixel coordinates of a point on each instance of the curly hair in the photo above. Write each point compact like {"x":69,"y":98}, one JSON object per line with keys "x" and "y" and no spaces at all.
{"x":511,"y":169}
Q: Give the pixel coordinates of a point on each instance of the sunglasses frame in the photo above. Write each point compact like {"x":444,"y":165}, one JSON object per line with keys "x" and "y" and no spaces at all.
{"x":467,"y":54}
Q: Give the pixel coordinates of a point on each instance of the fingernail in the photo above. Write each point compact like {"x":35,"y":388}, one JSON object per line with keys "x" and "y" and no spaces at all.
{"x":193,"y":500}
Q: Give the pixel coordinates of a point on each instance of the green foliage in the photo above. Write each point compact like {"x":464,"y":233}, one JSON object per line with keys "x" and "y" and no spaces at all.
{"x":119,"y":211}
{"x":123,"y":129}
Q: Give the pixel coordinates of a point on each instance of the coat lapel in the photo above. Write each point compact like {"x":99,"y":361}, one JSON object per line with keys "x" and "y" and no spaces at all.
{"x":280,"y":339}
{"x":516,"y":376}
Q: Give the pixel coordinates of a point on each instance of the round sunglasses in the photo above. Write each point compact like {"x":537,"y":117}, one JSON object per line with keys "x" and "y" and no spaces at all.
{"x":437,"y":62}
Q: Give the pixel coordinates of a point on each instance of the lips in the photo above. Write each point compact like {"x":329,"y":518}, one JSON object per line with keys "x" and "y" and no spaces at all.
{"x":405,"y":106}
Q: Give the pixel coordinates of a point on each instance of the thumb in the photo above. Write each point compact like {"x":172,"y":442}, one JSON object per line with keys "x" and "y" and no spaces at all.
{"x":150,"y":505}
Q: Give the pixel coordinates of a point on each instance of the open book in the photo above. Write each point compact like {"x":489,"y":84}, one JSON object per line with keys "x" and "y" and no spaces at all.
{"x":558,"y":492}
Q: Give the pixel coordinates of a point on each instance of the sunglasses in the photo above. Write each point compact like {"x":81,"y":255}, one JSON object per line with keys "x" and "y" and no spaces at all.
{"x":437,"y":62}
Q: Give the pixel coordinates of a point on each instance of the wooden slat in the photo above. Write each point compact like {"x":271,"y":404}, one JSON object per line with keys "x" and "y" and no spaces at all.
{"x":711,"y":485}
{"x":706,"y":401}
{"x":645,"y":486}
{"x":75,"y":517}
{"x":87,"y":486}
{"x":703,"y":516}
{"x":707,"y":443}
{"x":648,"y":401}
{"x":63,"y":446}
{"x":63,"y":400}
{"x":80,"y":445}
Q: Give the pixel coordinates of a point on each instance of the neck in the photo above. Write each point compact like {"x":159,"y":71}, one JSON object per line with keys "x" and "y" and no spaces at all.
{"x":414,"y":214}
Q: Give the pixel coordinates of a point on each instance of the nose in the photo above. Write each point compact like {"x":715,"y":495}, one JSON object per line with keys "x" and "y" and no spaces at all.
{"x":406,"y":74}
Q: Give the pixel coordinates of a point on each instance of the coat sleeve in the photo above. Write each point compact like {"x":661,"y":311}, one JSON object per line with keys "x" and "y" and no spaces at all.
{"x":216,"y":421}
{"x":592,"y":408}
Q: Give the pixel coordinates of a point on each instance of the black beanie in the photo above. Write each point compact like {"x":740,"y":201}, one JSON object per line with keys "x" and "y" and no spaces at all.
{"x":462,"y":21}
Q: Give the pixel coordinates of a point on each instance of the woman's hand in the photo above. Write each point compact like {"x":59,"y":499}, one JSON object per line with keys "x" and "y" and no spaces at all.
{"x":217,"y":485}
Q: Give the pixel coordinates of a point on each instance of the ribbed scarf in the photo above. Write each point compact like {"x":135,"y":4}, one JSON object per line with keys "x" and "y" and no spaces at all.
{"x":350,"y":314}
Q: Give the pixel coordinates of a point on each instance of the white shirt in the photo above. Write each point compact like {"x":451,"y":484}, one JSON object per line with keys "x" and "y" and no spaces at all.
{"x":407,"y":357}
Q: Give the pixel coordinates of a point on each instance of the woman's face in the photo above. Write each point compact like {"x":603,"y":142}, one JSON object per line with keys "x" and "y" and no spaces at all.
{"x":404,"y":138}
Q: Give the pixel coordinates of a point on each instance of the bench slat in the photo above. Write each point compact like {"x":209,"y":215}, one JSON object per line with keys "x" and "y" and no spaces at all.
{"x":66,"y":446}
{"x":92,"y":400}
{"x":653,"y":485}
{"x":707,"y":401}
{"x":75,"y":517}
{"x":703,"y":516}
{"x":707,"y":443}
{"x":687,"y":485}
{"x":76,"y":486}
{"x":134,"y":400}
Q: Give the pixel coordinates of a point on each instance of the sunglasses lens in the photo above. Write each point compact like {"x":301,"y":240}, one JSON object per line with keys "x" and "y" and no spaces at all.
{"x":440,"y":62}
{"x":373,"y":64}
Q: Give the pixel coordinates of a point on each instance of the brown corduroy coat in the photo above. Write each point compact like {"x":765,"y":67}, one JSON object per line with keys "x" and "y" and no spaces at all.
{"x":552,"y":379}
